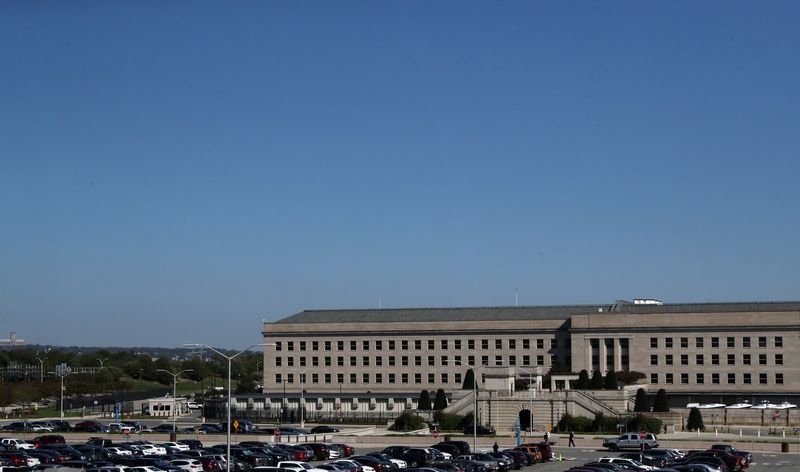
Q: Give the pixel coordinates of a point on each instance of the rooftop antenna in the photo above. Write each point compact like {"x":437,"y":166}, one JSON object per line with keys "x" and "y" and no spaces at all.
{"x":516,"y":297}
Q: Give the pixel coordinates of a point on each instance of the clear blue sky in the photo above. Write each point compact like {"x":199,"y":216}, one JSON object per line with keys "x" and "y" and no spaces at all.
{"x":174,"y":172}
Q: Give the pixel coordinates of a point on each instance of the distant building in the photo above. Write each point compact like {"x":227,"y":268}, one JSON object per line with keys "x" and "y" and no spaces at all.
{"x":721,"y":348}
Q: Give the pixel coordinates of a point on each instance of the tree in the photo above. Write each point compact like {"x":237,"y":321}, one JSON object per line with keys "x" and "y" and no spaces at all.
{"x":660,"y":403}
{"x":597,"y":381}
{"x":424,"y":402}
{"x":641,"y":401}
{"x":583,"y":380}
{"x":246,"y":385}
{"x":610,"y":382}
{"x":440,"y":403}
{"x":695,"y":420}
{"x":469,"y":380}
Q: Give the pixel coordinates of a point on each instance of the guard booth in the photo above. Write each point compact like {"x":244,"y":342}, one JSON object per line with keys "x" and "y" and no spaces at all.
{"x":163,"y":406}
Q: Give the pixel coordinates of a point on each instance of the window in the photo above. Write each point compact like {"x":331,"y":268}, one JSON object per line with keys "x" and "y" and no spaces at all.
{"x":715,"y":378}
{"x":762,"y":378}
{"x":654,"y":344}
{"x":512,"y":343}
{"x":700,"y":378}
{"x":731,"y":378}
{"x":484,"y":360}
{"x":391,"y":361}
{"x":315,"y":345}
{"x":746,"y":359}
{"x":746,"y":341}
{"x":379,"y":345}
{"x":278,"y":361}
{"x":404,"y":345}
{"x":715,"y":342}
{"x":418,"y":344}
{"x":290,"y":345}
{"x":762,"y":359}
{"x":315,"y":361}
{"x":778,"y":359}
{"x":526,"y":344}
{"x":327,"y":361}
{"x":540,"y":344}
{"x":391,"y":378}
{"x":378,"y":378}
{"x":684,"y":378}
{"x":715,"y":359}
{"x":471,"y":344}
{"x":418,"y":360}
{"x":404,"y":361}
{"x":290,"y":361}
{"x":457,"y":344}
{"x":353,"y":361}
{"x":484,"y":344}
{"x":684,"y":343}
{"x":339,"y":345}
{"x":431,"y":344}
{"x":779,"y":379}
{"x":458,"y":360}
{"x":512,"y":360}
{"x":698,"y":342}
{"x":731,"y":359}
{"x":431,"y":360}
{"x":653,"y":361}
{"x":278,"y":345}
{"x":302,"y":345}
{"x":391,"y":347}
{"x":302,"y":361}
{"x":278,"y":378}
{"x":498,"y":344}
{"x":290,"y":378}
{"x":444,"y":378}
{"x":444,"y":344}
{"x":684,"y":359}
{"x":762,"y":342}
{"x":668,"y":359}
{"x":339,"y":378}
{"x":778,"y":341}
{"x":353,"y":345}
{"x":365,"y":345}
{"x":404,"y":378}
{"x":471,"y":360}
{"x":340,"y":361}
{"x":731,"y":342}
{"x":539,"y":360}
{"x":698,"y":359}
{"x":457,"y":378}
{"x":379,"y":361}
{"x":653,"y":378}
{"x":526,"y":360}
{"x":668,"y":343}
{"x":746,"y":379}
{"x":668,"y":378}
{"x":498,"y":360}
{"x":365,"y":378}
{"x":431,"y":378}
{"x":418,"y":378}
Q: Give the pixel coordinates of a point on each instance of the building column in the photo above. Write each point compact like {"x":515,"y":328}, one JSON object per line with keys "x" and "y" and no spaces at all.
{"x":617,"y":355}
{"x":603,"y":367}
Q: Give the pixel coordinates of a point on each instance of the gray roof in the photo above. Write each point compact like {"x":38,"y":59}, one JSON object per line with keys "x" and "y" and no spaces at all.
{"x":510,"y":313}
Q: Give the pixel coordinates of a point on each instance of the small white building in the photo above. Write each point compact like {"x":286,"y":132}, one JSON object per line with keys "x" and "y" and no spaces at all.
{"x":163,"y":406}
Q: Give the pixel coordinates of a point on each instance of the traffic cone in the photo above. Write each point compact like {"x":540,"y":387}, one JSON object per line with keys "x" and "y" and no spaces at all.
{"x":560,"y":457}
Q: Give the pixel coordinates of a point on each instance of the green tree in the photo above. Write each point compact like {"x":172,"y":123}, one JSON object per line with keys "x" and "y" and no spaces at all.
{"x":660,"y":404}
{"x":597,"y":381}
{"x":469,"y":380}
{"x":440,"y":403}
{"x":407,"y":421}
{"x":424,"y":402}
{"x":641,"y":401}
{"x":246,"y":385}
{"x":610,"y":382}
{"x":583,"y":380}
{"x":695,"y":420}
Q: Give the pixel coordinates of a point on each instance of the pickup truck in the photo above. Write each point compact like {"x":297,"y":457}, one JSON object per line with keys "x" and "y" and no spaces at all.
{"x":631,"y":441}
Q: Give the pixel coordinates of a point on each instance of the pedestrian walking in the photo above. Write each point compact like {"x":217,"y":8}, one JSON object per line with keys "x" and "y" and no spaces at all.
{"x":547,"y":437}
{"x":571,"y":439}
{"x":495,"y":448}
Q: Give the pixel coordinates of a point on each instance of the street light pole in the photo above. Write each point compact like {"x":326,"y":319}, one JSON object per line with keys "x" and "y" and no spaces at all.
{"x":475,"y":394}
{"x":62,"y":370}
{"x":41,"y":365}
{"x":174,"y":387}
{"x":302,"y":398}
{"x":230,"y":360}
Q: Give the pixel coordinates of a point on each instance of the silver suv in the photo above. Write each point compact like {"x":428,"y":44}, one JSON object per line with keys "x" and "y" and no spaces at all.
{"x":641,"y":440}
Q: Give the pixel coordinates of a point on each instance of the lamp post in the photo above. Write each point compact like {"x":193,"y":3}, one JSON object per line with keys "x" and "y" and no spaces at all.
{"x":62,"y":370}
{"x":475,"y":394}
{"x":302,"y":374}
{"x":531,"y":393}
{"x":174,"y":387}
{"x":41,"y":365}
{"x":230,"y":360}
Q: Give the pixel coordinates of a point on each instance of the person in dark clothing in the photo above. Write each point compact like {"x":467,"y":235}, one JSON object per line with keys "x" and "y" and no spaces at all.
{"x":571,"y":439}
{"x":495,"y":448}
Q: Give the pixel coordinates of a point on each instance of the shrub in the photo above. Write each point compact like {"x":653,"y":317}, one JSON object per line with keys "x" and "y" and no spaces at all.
{"x":695,"y":420}
{"x":597,"y":381}
{"x":661,"y":403}
{"x":644,"y":423}
{"x":451,"y":422}
{"x":575,"y":423}
{"x":583,"y":380}
{"x":407,"y":421}
{"x":641,"y":401}
{"x":610,"y":382}
{"x":424,"y":402}
{"x":440,"y":403}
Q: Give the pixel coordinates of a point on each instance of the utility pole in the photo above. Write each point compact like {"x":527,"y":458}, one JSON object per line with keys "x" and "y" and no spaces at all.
{"x":174,"y":388}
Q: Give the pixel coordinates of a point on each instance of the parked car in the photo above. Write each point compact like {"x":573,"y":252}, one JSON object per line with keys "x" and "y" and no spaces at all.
{"x":189,"y":465}
{"x":324,"y":429}
{"x":14,"y":444}
{"x":479,"y":430}
{"x":298,"y":466}
{"x":634,"y":440}
{"x":732,"y":450}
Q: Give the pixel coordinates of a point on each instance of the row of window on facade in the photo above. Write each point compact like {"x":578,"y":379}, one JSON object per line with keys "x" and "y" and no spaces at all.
{"x":404,"y":344}
{"x":391,"y":361}
{"x":366,"y":378}
{"x":700,"y":378}
{"x":700,"y":359}
{"x":730,"y":342}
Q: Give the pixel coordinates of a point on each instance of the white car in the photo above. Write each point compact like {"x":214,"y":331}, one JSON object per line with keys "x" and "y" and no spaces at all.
{"x":434,"y":452}
{"x":364,"y":468}
{"x":150,"y":449}
{"x":175,"y":447}
{"x":189,"y":465}
{"x":299,"y":466}
{"x":400,"y":463}
{"x":630,"y":462}
{"x":119,"y":451}
{"x":145,"y":468}
{"x":16,"y":444}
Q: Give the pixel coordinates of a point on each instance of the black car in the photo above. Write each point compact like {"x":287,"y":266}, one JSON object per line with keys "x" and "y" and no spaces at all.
{"x":395,"y":452}
{"x":479,"y":430}
{"x":323,"y":429}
